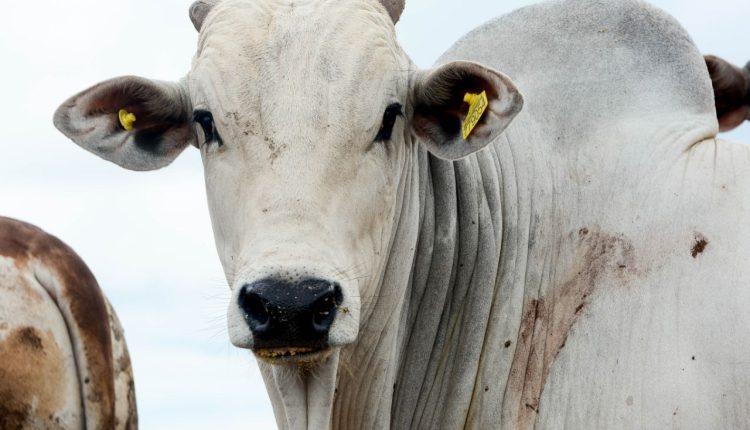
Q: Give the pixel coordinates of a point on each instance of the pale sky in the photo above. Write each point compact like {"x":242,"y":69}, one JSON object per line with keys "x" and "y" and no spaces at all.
{"x":147,"y":236}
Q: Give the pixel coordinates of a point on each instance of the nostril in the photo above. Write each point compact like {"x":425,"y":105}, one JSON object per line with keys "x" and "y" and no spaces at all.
{"x":324,"y":308}
{"x":255,"y":310}
{"x":323,"y":315}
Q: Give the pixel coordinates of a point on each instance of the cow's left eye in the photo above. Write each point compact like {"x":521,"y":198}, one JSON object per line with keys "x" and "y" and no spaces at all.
{"x":206,"y":121}
{"x":392,"y":112}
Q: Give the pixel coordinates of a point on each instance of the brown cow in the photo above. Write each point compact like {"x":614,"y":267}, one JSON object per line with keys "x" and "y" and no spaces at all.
{"x":64,"y":363}
{"x":731,"y":91}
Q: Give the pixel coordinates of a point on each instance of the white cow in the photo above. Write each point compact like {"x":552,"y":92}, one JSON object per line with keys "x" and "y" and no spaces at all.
{"x":587,"y":268}
{"x":64,"y":363}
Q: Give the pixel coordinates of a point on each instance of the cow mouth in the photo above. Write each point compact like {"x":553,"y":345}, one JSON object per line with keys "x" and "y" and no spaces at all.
{"x":292,"y":355}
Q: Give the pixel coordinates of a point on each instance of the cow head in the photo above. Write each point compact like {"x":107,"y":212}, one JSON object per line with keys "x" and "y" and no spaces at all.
{"x":307,"y":115}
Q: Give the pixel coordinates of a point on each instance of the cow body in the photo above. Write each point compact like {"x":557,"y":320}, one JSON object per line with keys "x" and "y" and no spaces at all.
{"x":64,"y":363}
{"x":589,"y":269}
{"x":586,"y":268}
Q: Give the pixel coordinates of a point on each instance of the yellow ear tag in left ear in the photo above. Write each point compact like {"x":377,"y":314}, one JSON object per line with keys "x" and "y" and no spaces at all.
{"x":477,"y":105}
{"x":126,"y":119}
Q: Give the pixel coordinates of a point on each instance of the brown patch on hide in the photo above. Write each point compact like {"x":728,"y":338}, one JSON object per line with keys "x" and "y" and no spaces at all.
{"x":132,"y":421}
{"x":125,"y":371}
{"x":29,"y":337}
{"x":125,"y":386}
{"x":13,"y":235}
{"x":699,"y":245}
{"x":32,"y":380}
{"x":80,"y":292}
{"x":547,"y":321}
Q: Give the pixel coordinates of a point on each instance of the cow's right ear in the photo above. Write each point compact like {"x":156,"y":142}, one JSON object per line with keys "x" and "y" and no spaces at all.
{"x":441,"y":109}
{"x":134,"y":122}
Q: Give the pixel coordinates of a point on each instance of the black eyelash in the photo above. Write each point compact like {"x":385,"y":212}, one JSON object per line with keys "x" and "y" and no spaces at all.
{"x":392,"y":112}
{"x":206,"y":121}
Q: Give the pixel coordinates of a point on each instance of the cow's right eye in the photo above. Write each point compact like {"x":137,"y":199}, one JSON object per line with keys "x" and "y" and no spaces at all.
{"x":206,"y":121}
{"x":392,"y":112}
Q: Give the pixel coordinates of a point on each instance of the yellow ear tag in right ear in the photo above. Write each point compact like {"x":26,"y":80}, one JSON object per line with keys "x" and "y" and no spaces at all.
{"x":477,"y":105}
{"x":126,"y":119}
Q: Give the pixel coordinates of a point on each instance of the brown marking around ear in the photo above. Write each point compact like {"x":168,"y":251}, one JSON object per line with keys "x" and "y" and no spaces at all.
{"x":79,"y":289}
{"x":548,"y":321}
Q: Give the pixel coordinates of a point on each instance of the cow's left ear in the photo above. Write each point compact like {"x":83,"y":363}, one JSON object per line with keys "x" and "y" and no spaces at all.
{"x":440,"y":109}
{"x":134,"y":122}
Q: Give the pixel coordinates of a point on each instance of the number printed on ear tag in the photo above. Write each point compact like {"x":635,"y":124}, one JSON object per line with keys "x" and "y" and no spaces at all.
{"x":477,"y":105}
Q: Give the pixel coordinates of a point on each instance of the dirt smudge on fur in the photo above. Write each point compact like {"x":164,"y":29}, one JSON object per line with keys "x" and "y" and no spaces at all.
{"x":547,"y":321}
{"x":699,"y":245}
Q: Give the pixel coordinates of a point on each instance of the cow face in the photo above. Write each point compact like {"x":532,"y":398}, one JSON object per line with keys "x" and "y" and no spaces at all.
{"x":308,"y":117}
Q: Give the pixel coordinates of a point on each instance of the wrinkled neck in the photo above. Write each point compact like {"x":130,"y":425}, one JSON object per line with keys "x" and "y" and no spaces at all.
{"x":469,"y":230}
{"x":368,"y":368}
{"x":461,"y":249}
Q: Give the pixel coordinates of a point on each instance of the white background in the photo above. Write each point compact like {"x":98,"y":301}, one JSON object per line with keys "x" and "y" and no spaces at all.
{"x":147,"y":236}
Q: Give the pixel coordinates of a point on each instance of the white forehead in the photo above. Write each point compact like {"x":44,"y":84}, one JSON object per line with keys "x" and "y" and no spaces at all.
{"x":314,"y":57}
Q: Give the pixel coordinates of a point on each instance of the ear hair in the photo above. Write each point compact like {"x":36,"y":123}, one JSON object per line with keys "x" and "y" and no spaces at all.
{"x":199,"y":10}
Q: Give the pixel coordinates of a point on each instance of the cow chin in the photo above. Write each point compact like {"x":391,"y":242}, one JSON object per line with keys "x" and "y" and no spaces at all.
{"x":302,"y":395}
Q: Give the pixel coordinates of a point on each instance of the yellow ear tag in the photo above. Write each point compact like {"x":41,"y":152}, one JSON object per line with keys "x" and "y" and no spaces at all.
{"x":126,"y":119}
{"x":477,"y":105}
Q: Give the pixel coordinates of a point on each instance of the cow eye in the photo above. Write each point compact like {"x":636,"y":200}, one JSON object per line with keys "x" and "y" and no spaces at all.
{"x":392,"y":112}
{"x":206,"y":121}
